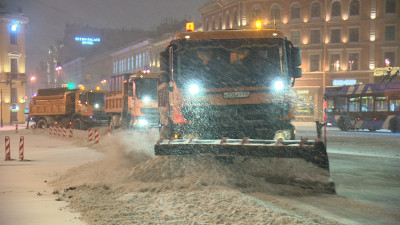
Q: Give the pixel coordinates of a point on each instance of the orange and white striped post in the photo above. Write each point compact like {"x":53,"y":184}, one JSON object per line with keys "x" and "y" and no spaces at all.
{"x":21,"y":148}
{"x":96,"y":136}
{"x":51,"y":129}
{"x":64,"y":131}
{"x":70,"y":132}
{"x":7,"y":145}
{"x":59,"y":130}
{"x":90,"y":134}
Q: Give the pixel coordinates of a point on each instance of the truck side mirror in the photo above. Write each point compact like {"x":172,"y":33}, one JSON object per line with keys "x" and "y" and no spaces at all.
{"x":297,"y":73}
{"x":296,"y":56}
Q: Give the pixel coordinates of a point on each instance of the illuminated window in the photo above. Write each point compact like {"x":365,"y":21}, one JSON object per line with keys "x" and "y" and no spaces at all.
{"x":354,"y":104}
{"x":390,"y":6}
{"x":13,"y":37}
{"x":336,"y":9}
{"x":388,"y":58}
{"x":335,"y":36}
{"x":295,"y":12}
{"x":354,"y":35}
{"x":367,"y":103}
{"x":235,"y":19}
{"x":14,"y":66}
{"x":275,"y":12}
{"x":315,"y":10}
{"x":390,"y":33}
{"x":314,"y":63}
{"x":315,"y":37}
{"x":334,"y":64}
{"x":394,"y":105}
{"x":295,"y":37}
{"x":256,"y":12}
{"x":352,"y":62}
{"x":355,"y":8}
{"x":228,"y":20}
{"x":381,"y":104}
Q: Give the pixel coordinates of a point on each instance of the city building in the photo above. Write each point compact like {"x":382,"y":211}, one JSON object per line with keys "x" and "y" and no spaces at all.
{"x":342,"y":41}
{"x":12,"y":66}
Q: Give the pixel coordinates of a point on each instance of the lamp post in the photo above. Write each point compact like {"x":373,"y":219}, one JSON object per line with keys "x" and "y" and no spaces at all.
{"x":58,"y":69}
{"x":33,"y":79}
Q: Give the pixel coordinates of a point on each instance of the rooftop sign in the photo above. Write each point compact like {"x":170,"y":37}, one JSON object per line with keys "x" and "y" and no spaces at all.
{"x":87,"y":40}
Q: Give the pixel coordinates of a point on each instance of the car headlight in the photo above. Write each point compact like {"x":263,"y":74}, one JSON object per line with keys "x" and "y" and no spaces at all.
{"x":278,"y":85}
{"x":96,"y":105}
{"x":194,"y":89}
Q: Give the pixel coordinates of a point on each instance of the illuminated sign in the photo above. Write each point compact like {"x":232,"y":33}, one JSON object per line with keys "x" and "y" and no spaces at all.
{"x":87,"y":40}
{"x":189,"y":27}
{"x":344,"y":82}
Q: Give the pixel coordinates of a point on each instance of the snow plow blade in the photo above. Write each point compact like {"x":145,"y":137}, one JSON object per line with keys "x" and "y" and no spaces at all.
{"x":311,"y":151}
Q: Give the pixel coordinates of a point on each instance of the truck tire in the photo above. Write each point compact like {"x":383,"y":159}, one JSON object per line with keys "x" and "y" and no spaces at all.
{"x":342,"y":124}
{"x":394,"y":125}
{"x":77,"y":124}
{"x":41,"y":123}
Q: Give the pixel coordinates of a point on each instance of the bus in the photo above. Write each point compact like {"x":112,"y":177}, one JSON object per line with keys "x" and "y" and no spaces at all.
{"x":364,"y":106}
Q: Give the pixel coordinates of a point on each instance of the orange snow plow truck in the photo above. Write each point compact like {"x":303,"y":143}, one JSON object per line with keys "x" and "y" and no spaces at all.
{"x":229,"y":94}
{"x":132,"y":101}
{"x":80,"y":109}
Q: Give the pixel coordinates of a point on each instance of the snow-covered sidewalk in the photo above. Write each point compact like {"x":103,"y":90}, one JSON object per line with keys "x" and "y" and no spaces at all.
{"x":25,"y":196}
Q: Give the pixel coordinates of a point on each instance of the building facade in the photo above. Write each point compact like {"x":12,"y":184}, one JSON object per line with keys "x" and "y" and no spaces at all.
{"x":12,"y":66}
{"x":342,"y":41}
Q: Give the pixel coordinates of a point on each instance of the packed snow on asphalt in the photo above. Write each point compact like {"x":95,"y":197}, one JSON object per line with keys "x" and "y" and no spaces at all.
{"x":65,"y":180}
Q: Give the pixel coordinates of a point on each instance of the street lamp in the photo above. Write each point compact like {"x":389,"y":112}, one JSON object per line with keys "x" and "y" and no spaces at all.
{"x":58,"y":68}
{"x":33,"y":79}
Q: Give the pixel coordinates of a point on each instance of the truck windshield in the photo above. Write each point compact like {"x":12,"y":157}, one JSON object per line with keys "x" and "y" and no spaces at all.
{"x":146,"y":87}
{"x":229,"y":63}
{"x":96,"y":98}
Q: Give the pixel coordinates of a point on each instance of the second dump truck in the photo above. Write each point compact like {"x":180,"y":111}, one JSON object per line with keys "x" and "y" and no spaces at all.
{"x":132,"y":102}
{"x":80,"y":109}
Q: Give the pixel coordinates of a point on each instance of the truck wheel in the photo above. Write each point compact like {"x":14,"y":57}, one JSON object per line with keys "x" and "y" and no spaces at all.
{"x":394,"y":125}
{"x":342,"y":125}
{"x":41,"y":123}
{"x":77,"y":124}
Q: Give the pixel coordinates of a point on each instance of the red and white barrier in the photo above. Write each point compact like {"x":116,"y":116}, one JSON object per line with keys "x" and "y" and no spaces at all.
{"x":59,"y":130}
{"x":96,"y":136}
{"x":33,"y":127}
{"x":7,"y":145}
{"x":21,"y":148}
{"x":51,"y":129}
{"x":43,"y":129}
{"x":70,"y":132}
{"x":90,"y":133}
{"x":64,"y":131}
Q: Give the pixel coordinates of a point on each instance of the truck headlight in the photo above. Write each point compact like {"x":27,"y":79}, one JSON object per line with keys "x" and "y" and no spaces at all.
{"x":194,"y":89}
{"x":96,"y":105}
{"x":146,"y":99}
{"x":143,"y":122}
{"x":284,"y":134}
{"x":278,"y":85}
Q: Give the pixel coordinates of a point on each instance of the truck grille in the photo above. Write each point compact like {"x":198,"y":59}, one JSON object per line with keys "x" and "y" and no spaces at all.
{"x":237,"y":113}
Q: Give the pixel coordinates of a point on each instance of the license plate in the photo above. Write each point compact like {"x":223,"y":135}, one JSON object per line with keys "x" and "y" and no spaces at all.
{"x":236,"y":94}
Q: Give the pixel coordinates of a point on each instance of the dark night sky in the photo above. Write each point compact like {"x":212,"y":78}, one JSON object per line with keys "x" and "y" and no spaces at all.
{"x":47,"y":18}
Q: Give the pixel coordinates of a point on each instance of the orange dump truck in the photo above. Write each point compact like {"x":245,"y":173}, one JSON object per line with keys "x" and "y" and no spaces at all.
{"x":80,"y":109}
{"x":132,"y":102}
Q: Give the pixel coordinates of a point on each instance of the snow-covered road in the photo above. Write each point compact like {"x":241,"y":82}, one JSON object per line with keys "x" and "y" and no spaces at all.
{"x":109,"y":191}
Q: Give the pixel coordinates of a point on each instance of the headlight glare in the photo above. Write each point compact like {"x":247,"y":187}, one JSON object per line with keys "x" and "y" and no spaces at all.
{"x":278,"y":85}
{"x":194,"y":89}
